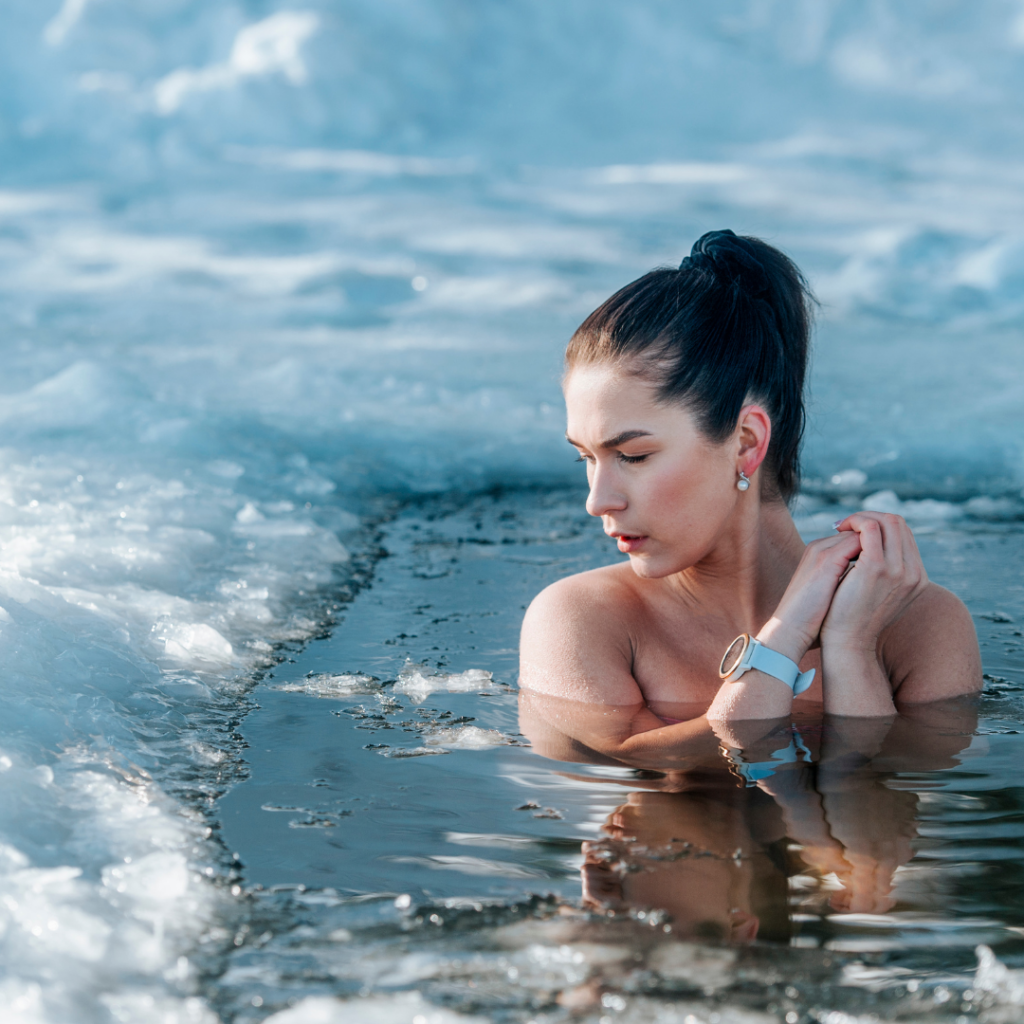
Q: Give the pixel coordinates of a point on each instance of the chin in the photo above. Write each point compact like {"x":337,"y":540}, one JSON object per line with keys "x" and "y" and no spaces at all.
{"x":664,"y":561}
{"x":648,"y":568}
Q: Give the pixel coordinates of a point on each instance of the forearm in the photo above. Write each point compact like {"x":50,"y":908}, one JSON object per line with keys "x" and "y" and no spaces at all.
{"x":678,"y":746}
{"x":756,"y":695}
{"x":855,"y":683}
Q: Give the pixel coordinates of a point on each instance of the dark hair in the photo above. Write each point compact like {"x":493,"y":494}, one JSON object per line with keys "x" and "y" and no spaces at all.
{"x":732,"y":323}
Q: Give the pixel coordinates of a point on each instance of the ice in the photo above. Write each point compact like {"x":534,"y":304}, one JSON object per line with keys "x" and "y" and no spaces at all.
{"x":995,"y":978}
{"x":333,"y":686}
{"x":64,"y":21}
{"x":473,"y":866}
{"x":146,"y":1008}
{"x":411,"y":751}
{"x":849,"y":480}
{"x":264,"y":273}
{"x":467,"y":737}
{"x":418,"y":682}
{"x":265,"y":47}
{"x":709,"y":969}
{"x":406,"y":1008}
{"x":915,"y":512}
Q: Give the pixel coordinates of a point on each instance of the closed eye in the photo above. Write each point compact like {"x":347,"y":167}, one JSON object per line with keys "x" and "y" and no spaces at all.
{"x":631,"y":459}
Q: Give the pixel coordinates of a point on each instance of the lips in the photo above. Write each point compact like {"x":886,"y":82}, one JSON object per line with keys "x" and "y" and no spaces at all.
{"x":629,"y":543}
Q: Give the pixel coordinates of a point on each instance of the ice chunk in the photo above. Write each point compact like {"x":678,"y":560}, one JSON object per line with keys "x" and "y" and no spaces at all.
{"x":199,"y":645}
{"x":995,"y":977}
{"x":923,"y":512}
{"x":417,"y":682}
{"x":249,"y":513}
{"x":473,"y":866}
{"x":410,"y":751}
{"x":271,"y":45}
{"x":147,"y":1008}
{"x":849,"y":479}
{"x":398,"y":1009}
{"x":467,"y":737}
{"x":995,"y":509}
{"x":883,"y":501}
{"x":155,"y":878}
{"x":334,"y":686}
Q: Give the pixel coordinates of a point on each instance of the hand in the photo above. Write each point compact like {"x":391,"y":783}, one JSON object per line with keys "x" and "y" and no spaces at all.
{"x":797,"y":621}
{"x":887,"y":576}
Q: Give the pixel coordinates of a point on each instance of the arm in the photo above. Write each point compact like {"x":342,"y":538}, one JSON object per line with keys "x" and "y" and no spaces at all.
{"x":577,"y":639}
{"x":578,"y":693}
{"x":889,"y":631}
{"x":577,"y":731}
{"x":792,"y":630}
{"x":934,"y":652}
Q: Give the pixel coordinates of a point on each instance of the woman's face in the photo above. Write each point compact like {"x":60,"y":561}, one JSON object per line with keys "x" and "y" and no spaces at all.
{"x":661,"y":488}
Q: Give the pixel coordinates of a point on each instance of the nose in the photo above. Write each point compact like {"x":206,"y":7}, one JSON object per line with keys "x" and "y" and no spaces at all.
{"x":605,"y":496}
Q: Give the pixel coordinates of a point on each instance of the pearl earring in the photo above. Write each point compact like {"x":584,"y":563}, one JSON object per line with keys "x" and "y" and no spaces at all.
{"x":743,"y":483}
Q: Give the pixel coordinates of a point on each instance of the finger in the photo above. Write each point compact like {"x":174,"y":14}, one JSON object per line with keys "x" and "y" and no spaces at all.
{"x":839,"y":542}
{"x":911,"y":566}
{"x":902,"y":557}
{"x":894,"y":528}
{"x":912,"y":558}
{"x":892,"y":542}
{"x":886,"y":520}
{"x":832,"y":554}
{"x":868,"y":527}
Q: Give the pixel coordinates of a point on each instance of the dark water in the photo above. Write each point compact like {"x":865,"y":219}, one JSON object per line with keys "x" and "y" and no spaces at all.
{"x":410,"y":852}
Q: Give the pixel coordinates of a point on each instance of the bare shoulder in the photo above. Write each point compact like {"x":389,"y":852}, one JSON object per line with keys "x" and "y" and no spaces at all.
{"x":932,"y":652}
{"x":608,"y":590}
{"x":576,"y":638}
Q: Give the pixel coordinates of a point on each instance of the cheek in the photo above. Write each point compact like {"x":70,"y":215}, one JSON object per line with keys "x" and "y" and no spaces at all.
{"x":689,"y":497}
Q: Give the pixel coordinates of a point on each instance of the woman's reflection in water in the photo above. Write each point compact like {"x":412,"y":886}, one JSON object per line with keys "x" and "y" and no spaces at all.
{"x":696,"y":855}
{"x":730,"y":829}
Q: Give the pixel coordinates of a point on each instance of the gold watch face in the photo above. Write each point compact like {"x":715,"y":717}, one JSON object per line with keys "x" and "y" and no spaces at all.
{"x":734,"y":655}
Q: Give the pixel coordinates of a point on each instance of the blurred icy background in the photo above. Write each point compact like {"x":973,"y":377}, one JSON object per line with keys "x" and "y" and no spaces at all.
{"x":262,"y":263}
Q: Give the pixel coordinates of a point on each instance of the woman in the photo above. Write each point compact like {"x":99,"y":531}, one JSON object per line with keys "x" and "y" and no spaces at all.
{"x":684,"y":394}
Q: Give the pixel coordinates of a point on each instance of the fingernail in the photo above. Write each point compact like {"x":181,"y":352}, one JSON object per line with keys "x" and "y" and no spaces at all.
{"x":835,"y":525}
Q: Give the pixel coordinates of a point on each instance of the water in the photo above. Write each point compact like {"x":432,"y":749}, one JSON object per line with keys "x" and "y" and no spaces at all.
{"x":268,"y":272}
{"x":401,"y":837}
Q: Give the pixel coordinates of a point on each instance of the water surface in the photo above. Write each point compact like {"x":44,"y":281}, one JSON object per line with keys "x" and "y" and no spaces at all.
{"x":398,"y":835}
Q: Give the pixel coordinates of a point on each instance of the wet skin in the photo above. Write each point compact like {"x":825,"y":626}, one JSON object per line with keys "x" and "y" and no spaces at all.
{"x":708,"y":561}
{"x":619,"y":666}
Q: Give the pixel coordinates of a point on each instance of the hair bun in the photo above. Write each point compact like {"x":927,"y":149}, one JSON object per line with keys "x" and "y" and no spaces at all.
{"x":731,"y":258}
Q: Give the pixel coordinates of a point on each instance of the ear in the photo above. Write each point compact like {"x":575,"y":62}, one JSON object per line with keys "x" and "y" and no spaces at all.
{"x":743,"y":927}
{"x":753,"y":435}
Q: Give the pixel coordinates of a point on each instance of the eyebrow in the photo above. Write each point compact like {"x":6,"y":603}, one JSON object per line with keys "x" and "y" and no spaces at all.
{"x":618,"y":439}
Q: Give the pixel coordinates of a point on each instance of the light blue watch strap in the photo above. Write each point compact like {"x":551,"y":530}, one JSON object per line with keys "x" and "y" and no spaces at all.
{"x":764,"y":659}
{"x":753,"y":772}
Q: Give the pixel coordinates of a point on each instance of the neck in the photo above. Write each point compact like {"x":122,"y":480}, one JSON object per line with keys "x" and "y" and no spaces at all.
{"x":743,"y":577}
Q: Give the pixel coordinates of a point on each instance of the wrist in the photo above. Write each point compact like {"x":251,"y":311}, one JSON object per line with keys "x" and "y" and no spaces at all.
{"x":782,"y":639}
{"x":849,"y":645}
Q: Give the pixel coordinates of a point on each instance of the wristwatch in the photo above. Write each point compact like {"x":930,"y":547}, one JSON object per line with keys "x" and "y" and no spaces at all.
{"x":745,"y":653}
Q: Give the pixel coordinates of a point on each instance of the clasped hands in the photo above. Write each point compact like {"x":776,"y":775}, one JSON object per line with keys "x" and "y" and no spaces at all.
{"x":847,"y":589}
